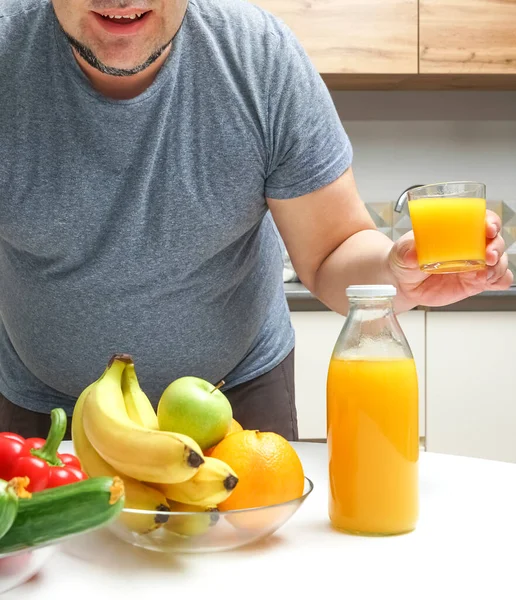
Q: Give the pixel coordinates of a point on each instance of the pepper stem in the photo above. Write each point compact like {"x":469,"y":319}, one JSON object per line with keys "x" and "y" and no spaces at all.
{"x":54,"y":438}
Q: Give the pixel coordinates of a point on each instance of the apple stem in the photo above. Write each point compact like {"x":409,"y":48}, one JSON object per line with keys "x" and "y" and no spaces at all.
{"x":218,"y":386}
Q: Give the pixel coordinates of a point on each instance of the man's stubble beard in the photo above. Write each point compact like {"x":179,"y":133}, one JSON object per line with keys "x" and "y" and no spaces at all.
{"x":89,"y":56}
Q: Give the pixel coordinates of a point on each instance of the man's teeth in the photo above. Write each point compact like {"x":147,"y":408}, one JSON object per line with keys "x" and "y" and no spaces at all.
{"x":135,"y":16}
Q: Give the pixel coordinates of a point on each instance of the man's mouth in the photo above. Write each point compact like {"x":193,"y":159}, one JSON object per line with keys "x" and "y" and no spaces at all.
{"x":124,"y":19}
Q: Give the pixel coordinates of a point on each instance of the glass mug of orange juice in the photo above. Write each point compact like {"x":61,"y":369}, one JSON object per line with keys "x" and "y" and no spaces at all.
{"x":372,"y":420}
{"x":449,"y":226}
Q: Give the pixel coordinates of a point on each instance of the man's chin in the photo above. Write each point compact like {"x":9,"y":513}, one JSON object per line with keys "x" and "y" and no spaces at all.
{"x":109,"y":67}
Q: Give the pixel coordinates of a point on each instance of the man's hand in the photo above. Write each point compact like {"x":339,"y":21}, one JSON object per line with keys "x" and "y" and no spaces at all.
{"x":418,"y":288}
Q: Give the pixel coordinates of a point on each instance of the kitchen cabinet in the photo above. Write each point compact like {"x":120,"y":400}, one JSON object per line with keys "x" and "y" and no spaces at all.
{"x":353,"y":36}
{"x":406,"y":44}
{"x":471,"y":384}
{"x":316,"y":334}
{"x":467,"y":36}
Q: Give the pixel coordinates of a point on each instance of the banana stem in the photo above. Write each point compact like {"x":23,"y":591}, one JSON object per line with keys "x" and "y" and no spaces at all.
{"x":127,"y":358}
{"x":218,"y":386}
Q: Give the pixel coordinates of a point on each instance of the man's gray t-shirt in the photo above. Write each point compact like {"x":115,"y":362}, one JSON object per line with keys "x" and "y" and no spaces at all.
{"x":141,"y":225}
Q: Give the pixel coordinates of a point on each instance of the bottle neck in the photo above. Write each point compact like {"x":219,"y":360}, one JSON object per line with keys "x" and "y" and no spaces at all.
{"x":378,"y":305}
{"x":372,"y":330}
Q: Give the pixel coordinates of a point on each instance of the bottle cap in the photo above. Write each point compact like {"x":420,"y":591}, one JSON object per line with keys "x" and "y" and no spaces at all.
{"x":370,"y":291}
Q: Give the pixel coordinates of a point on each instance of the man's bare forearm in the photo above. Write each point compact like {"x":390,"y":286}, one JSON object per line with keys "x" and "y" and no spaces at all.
{"x":362,"y":259}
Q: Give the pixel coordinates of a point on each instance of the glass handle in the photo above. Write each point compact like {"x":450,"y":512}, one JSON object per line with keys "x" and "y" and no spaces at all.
{"x":400,"y":202}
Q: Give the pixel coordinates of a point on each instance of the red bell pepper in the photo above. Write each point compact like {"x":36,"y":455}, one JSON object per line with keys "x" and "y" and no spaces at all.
{"x":38,"y":459}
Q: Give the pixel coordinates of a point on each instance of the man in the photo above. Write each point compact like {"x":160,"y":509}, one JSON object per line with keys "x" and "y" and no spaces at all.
{"x":146,"y":149}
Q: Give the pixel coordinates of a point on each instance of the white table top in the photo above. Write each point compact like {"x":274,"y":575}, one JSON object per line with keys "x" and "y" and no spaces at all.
{"x":463,"y":548}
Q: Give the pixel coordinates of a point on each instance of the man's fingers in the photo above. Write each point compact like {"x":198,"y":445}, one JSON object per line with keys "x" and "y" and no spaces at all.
{"x":504,"y":282}
{"x":495,"y":250}
{"x":493,"y":224}
{"x":497,"y":273}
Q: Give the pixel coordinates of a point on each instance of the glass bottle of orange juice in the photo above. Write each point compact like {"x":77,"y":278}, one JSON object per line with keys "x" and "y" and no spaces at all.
{"x":372,"y":420}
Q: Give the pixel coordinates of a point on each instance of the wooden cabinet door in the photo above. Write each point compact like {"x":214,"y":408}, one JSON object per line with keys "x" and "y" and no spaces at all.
{"x":353,"y":36}
{"x":467,"y":36}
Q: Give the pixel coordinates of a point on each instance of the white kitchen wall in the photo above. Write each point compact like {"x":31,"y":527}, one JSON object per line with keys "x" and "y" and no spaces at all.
{"x":404,"y":138}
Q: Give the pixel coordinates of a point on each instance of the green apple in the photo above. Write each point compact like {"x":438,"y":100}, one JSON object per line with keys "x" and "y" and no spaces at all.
{"x":195,"y":407}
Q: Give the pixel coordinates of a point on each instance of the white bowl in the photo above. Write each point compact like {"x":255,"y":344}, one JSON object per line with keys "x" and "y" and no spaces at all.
{"x":19,"y":567}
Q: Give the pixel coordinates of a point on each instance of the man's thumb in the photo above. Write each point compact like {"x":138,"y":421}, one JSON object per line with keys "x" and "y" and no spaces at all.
{"x":404,"y":254}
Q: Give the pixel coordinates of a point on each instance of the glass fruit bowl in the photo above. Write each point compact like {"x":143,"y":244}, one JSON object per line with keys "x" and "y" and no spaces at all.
{"x":192,"y":532}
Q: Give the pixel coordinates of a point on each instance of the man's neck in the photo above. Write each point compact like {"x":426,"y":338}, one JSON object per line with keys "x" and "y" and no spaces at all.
{"x":122,"y":88}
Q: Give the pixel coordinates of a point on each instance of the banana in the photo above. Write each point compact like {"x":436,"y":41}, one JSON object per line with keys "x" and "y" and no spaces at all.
{"x":189,"y":525}
{"x":212,"y":484}
{"x":150,"y":508}
{"x":137,"y":404}
{"x":138,"y":496}
{"x":144,"y":454}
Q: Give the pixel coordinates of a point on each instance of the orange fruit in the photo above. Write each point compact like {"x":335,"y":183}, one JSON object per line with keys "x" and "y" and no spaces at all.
{"x":268,"y":468}
{"x":235,"y":427}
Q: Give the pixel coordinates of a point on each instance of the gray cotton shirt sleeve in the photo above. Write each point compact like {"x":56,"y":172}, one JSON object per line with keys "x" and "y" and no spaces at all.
{"x":308,"y":146}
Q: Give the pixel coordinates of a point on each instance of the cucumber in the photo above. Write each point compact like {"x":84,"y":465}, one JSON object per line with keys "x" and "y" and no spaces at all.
{"x":8,"y":506}
{"x":57,"y":513}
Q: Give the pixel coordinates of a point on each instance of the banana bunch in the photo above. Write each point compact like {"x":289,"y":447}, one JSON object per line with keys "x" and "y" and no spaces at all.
{"x":138,"y":496}
{"x":132,"y":449}
{"x":115,"y":432}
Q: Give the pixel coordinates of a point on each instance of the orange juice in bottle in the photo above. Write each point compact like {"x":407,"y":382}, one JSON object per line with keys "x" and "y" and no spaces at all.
{"x":372,"y":418}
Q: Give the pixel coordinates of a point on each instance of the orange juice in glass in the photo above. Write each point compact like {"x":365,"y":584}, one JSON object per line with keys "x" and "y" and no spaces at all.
{"x":372,"y":420}
{"x":448,"y":220}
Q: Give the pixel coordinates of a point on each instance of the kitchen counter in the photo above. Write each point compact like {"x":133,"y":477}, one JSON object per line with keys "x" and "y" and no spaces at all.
{"x":299,"y":298}
{"x":462,"y":548}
